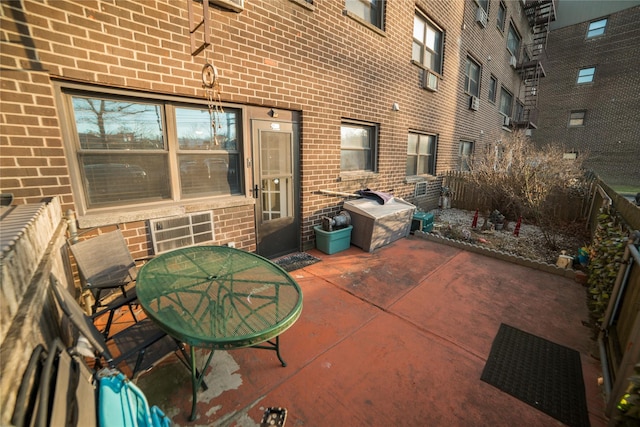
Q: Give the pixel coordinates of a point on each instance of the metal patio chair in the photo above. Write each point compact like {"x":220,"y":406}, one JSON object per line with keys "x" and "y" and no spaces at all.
{"x":108,"y":271}
{"x":141,"y":346}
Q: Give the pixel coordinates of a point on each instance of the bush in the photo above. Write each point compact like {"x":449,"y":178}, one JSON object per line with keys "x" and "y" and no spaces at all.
{"x":520,"y":179}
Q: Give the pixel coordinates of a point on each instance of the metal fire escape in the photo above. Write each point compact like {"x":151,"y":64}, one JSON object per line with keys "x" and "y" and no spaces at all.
{"x":540,"y":14}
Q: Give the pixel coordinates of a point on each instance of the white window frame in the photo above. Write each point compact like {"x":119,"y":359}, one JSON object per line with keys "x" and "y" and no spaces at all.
{"x":422,"y":159}
{"x":586,"y":75}
{"x":369,"y":153}
{"x":423,"y":43}
{"x":597,"y":28}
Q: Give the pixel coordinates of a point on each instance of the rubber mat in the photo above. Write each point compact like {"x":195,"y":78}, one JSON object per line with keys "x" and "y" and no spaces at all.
{"x":543,"y":374}
{"x":295,"y":261}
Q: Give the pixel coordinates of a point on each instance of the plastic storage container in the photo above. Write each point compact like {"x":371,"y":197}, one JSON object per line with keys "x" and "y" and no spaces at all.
{"x":422,"y":221}
{"x":376,"y":225}
{"x":334,"y":241}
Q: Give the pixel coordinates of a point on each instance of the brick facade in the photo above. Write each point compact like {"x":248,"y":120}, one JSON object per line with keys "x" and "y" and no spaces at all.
{"x":312,"y":59}
{"x":610,"y":136}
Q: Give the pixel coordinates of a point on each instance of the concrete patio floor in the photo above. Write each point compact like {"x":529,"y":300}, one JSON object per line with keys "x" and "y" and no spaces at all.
{"x":397,"y":337}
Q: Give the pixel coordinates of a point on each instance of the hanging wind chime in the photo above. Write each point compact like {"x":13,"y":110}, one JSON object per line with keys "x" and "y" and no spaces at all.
{"x":211,"y":85}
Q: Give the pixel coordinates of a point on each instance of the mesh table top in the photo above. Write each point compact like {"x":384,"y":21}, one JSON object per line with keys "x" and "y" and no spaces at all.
{"x":218,"y":297}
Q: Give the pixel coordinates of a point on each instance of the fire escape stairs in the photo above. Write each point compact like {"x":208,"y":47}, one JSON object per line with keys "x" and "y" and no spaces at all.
{"x":540,"y":14}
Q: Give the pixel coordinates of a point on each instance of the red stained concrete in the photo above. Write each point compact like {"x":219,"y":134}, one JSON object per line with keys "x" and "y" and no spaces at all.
{"x":397,"y":337}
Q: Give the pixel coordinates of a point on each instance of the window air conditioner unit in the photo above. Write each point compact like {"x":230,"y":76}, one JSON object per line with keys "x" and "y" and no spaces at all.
{"x":506,"y":121}
{"x":430,"y":81}
{"x":481,"y":17}
{"x":181,"y":231}
{"x":513,"y":61}
{"x":235,"y":5}
{"x":474,"y":103}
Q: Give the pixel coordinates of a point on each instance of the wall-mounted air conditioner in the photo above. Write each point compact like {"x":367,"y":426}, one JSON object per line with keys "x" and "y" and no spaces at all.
{"x":235,"y":5}
{"x":429,"y":80}
{"x":513,"y":61}
{"x":481,"y":17}
{"x":421,"y":189}
{"x":180,"y":231}
{"x":506,"y":121}
{"x":474,"y":103}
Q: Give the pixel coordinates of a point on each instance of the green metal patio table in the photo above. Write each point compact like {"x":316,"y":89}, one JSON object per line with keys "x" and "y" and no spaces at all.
{"x":217,"y":297}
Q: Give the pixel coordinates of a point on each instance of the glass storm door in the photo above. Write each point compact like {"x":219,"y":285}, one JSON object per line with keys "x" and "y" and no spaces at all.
{"x":275,"y":188}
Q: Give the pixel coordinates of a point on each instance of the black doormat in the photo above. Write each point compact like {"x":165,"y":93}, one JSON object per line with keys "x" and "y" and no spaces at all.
{"x":296,"y":261}
{"x":543,"y":374}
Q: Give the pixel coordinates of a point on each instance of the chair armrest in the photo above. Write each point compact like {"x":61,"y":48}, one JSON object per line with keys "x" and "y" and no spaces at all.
{"x":121,"y":301}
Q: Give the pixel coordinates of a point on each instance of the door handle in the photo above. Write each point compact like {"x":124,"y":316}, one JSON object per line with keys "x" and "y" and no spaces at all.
{"x":255,"y":191}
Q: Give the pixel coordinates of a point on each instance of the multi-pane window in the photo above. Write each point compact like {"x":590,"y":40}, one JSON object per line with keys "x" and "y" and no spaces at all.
{"x":502,"y":14}
{"x":465,"y":151}
{"x":576,"y":118}
{"x":596,"y":28}
{"x":472,"y":77}
{"x":427,"y":43}
{"x":125,"y":153}
{"x":506,"y":102}
{"x":493,"y":86}
{"x":358,"y":143}
{"x":208,"y":156}
{"x":421,"y":154}
{"x":585,"y":75}
{"x":371,"y":11}
{"x":513,"y":41}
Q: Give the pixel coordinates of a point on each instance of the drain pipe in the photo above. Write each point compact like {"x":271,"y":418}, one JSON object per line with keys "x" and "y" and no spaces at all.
{"x":73,"y":226}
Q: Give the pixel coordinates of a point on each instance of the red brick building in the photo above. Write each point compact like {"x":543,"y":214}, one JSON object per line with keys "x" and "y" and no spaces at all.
{"x":109,"y":105}
{"x":589,"y":101}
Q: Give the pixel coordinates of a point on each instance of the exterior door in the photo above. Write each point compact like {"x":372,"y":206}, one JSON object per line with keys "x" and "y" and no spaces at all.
{"x":275,"y":172}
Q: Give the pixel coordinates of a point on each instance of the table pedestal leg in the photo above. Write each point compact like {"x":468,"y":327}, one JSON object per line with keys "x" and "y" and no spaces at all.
{"x":197,"y":379}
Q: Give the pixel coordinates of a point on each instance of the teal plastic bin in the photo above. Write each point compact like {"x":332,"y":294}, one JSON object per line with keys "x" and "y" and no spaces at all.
{"x":334,"y":241}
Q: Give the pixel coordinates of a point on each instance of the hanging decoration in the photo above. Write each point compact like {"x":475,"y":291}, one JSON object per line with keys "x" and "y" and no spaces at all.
{"x":211,"y":85}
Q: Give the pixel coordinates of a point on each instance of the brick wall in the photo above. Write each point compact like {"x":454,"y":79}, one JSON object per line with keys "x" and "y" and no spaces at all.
{"x":610,"y":135}
{"x":275,"y":53}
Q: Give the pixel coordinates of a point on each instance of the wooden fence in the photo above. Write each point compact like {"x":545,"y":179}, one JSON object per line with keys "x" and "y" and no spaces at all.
{"x":465,"y":195}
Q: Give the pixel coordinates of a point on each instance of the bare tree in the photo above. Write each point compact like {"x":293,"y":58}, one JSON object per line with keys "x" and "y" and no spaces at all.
{"x":520,"y":179}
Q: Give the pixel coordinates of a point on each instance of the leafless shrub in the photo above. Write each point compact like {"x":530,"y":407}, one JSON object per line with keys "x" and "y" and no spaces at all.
{"x":521,"y":179}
